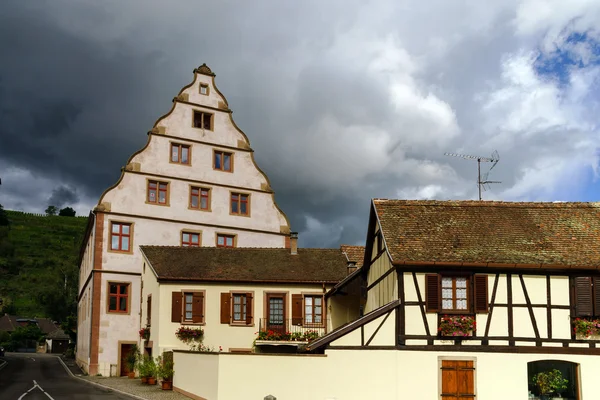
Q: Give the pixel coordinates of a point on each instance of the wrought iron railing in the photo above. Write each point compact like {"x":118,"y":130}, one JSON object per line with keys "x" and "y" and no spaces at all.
{"x":290,"y":330}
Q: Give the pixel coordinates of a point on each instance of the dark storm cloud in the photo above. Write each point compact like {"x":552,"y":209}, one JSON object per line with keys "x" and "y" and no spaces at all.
{"x":63,"y":196}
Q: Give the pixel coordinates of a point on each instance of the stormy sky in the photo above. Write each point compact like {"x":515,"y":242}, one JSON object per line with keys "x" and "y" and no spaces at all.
{"x":343,"y":101}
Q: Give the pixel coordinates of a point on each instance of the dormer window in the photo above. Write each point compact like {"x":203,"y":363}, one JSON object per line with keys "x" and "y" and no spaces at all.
{"x":204,"y":89}
{"x":202,"y":120}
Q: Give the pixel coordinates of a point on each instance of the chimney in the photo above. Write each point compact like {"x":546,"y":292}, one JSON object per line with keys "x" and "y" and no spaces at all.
{"x":351,"y":267}
{"x":294,"y":243}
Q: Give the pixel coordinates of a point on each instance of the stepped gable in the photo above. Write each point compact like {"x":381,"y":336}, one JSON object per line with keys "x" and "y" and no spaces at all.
{"x":553,"y":234}
{"x":246,"y":264}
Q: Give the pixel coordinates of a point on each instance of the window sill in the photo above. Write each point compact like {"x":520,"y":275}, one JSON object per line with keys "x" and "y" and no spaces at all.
{"x":192,"y":323}
{"x":158,"y":204}
{"x":240,"y":324}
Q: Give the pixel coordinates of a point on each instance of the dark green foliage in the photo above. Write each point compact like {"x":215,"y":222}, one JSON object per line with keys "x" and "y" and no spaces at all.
{"x":3,"y":217}
{"x":66,"y":212}
{"x":51,"y":210}
{"x":38,"y":265}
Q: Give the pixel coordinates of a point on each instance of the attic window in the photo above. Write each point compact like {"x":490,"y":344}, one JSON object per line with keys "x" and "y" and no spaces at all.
{"x":202,"y":120}
{"x":204,"y":89}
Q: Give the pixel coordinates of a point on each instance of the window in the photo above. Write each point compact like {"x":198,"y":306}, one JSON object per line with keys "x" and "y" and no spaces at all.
{"x":204,"y":89}
{"x":149,"y":310}
{"x":120,"y":236}
{"x":180,"y":153}
{"x":118,"y":297}
{"x":587,"y":296}
{"x":458,"y":380}
{"x":187,"y":307}
{"x":158,"y":192}
{"x":223,"y":161}
{"x":545,"y":370}
{"x":225,"y":240}
{"x":313,"y":310}
{"x":240,"y":204}
{"x":276,"y":312}
{"x":454,"y":294}
{"x":236,"y":308}
{"x":202,"y":120}
{"x":190,"y":239}
{"x":199,"y":198}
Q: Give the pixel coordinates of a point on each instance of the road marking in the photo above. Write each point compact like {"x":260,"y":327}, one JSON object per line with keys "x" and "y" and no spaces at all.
{"x":31,"y":358}
{"x":4,"y":363}
{"x":35,"y":385}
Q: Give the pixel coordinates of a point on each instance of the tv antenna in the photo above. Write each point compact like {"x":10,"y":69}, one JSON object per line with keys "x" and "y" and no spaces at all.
{"x":482,"y":180}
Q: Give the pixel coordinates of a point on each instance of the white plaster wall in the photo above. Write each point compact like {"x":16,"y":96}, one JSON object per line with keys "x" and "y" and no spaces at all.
{"x":559,"y":290}
{"x":499,"y":322}
{"x":117,"y":327}
{"x":561,"y":324}
{"x":193,"y":91}
{"x":352,"y":338}
{"x":501,"y":290}
{"x":130,"y":198}
{"x":386,"y":290}
{"x":84,"y":324}
{"x":87,"y":261}
{"x":215,"y":334}
{"x":150,"y":286}
{"x":522,"y":325}
{"x":386,"y":333}
{"x":397,"y":375}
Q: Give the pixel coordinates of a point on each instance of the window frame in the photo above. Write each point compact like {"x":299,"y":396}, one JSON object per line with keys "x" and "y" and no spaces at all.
{"x":266,"y":313}
{"x":223,"y":153}
{"x":204,"y":85}
{"x":190,"y":232}
{"x":244,"y":294}
{"x":158,"y":191}
{"x":199,"y":195}
{"x":454,"y":310}
{"x":185,"y":321}
{"x":239,"y":203}
{"x":118,"y":296}
{"x":149,"y":310}
{"x":313,"y":324}
{"x":212,"y":120}
{"x":180,"y":147}
{"x":111,"y":234}
{"x":226,"y":235}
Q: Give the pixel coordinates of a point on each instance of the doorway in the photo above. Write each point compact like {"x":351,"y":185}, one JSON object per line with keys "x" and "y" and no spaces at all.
{"x":124,"y":350}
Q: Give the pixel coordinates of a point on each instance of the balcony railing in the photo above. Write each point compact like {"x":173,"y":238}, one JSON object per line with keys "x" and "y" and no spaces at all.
{"x":290,"y":330}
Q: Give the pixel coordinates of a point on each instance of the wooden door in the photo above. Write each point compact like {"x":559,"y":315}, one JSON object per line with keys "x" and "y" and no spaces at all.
{"x":458,"y":380}
{"x":125,"y":350}
{"x":276,"y":312}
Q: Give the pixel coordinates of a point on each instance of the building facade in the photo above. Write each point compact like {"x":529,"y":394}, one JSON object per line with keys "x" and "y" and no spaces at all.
{"x":195,"y":183}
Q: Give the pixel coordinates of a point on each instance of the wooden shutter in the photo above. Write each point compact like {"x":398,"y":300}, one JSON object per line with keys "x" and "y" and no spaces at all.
{"x":225,"y":308}
{"x":458,"y":381}
{"x":197,"y":307}
{"x":297,"y":309}
{"x":596,"y":292}
{"x":584,"y":305}
{"x":481,"y":293}
{"x":432,"y":292}
{"x":249,"y":309}
{"x":176,"y":299}
{"x":149,"y":310}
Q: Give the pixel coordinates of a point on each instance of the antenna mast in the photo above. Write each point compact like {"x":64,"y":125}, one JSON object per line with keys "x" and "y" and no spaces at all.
{"x":482,"y":180}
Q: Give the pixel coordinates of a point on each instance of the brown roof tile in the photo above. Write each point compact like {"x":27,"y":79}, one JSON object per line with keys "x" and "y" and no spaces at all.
{"x":491,"y":232}
{"x":355,"y":254}
{"x":246,"y":264}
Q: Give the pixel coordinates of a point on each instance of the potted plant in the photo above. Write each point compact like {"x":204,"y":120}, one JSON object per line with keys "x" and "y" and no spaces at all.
{"x":165,"y":371}
{"x":132,"y":360}
{"x":147,"y":369}
{"x":145,"y":333}
{"x":550,"y":382}
{"x":152,"y":370}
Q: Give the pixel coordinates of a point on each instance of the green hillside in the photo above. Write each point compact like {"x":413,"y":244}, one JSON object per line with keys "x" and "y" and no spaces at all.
{"x":38,"y":264}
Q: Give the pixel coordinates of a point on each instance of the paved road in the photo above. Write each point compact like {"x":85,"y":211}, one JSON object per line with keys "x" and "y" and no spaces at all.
{"x":42,"y":377}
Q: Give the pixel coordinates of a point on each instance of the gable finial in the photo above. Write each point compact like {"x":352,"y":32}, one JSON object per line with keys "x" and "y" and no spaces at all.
{"x":205,"y":70}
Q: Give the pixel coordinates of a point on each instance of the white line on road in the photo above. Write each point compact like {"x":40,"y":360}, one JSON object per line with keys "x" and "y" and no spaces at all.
{"x":35,"y":385}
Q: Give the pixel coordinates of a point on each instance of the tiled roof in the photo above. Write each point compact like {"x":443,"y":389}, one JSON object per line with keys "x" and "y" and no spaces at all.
{"x":491,"y":232}
{"x":9,"y":323}
{"x":57,"y":334}
{"x":355,"y":254}
{"x":246,"y":264}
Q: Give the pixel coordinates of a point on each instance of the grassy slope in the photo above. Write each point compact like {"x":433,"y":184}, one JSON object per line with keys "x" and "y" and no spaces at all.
{"x":37,"y":253}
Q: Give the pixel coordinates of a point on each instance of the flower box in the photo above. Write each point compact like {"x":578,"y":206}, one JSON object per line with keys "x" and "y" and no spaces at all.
{"x":456,"y":326}
{"x":271,"y":335}
{"x":586,"y":328}
{"x":188,"y":335}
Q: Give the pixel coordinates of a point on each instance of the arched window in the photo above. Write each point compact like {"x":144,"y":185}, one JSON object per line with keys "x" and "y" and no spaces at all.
{"x":548,"y":379}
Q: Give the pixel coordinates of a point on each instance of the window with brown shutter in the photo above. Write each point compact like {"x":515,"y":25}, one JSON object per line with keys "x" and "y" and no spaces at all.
{"x":237,"y":308}
{"x":149,"y":310}
{"x":198,"y":307}
{"x":432,"y":292}
{"x":225,"y":308}
{"x":585,"y":297}
{"x":481,"y":293}
{"x":176,"y":299}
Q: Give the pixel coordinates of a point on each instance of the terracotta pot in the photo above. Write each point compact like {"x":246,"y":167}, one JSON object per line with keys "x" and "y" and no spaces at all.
{"x":151,"y":380}
{"x":167,"y":385}
{"x":131,"y":375}
{"x":144,"y":379}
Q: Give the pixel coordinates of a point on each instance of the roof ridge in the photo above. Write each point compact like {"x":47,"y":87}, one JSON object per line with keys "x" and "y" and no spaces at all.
{"x":195,"y":248}
{"x":491,"y":203}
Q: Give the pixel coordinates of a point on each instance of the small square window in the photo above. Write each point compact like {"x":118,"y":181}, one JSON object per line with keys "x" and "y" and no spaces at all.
{"x":240,"y":204}
{"x":158,"y":192}
{"x":225,"y":240}
{"x":180,"y":153}
{"x":223,"y":161}
{"x":190,"y":239}
{"x":202,"y":120}
{"x":200,"y":198}
{"x":204,"y":89}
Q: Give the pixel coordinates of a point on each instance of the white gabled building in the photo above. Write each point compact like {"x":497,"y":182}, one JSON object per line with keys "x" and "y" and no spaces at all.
{"x":195,"y":183}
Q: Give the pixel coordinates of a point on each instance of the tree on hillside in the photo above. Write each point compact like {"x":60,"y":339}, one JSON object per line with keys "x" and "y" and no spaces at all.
{"x":4,"y":221}
{"x":51,"y":210}
{"x":67,"y":212}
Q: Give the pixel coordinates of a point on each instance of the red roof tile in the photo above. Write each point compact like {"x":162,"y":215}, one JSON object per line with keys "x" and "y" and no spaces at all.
{"x":491,"y":232}
{"x":354,"y":254}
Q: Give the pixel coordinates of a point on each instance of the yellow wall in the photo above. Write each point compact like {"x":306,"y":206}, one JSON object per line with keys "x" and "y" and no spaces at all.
{"x":382,"y":374}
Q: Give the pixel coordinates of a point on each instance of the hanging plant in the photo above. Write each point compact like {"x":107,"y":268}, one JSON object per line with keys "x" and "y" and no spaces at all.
{"x":145,"y":333}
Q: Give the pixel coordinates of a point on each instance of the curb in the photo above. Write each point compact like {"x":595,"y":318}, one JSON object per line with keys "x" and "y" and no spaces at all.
{"x":97,"y":384}
{"x":4,"y":364}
